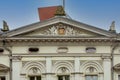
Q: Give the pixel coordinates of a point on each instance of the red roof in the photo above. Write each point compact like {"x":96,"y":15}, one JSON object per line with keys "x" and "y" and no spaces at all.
{"x":47,"y":12}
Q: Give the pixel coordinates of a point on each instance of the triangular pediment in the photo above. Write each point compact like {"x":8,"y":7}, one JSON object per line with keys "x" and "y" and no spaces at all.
{"x":60,"y":29}
{"x":59,"y":26}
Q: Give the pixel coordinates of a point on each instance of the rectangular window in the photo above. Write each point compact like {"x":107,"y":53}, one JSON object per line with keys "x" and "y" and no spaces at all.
{"x":118,"y":77}
{"x":2,"y":78}
{"x":34,"y":77}
{"x":91,"y":77}
{"x":64,"y":77}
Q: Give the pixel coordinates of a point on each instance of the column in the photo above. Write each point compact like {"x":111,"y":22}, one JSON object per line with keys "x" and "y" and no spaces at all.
{"x":48,"y":68}
{"x":107,"y":68}
{"x":77,"y":68}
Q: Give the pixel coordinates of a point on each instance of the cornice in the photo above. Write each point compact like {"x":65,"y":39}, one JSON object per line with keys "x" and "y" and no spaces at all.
{"x":60,"y":39}
{"x":62,"y":55}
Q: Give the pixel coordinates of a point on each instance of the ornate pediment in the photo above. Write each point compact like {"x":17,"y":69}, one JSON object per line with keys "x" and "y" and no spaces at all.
{"x":59,"y":26}
{"x":3,"y":68}
{"x":117,"y":67}
{"x":60,"y":29}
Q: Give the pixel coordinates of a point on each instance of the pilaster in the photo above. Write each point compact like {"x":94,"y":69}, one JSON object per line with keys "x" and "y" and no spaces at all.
{"x":77,"y":67}
{"x":107,"y":67}
{"x":16,"y":67}
{"x":48,"y":68}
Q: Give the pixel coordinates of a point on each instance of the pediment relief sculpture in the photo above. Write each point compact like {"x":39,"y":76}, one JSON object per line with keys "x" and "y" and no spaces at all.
{"x":60,"y":29}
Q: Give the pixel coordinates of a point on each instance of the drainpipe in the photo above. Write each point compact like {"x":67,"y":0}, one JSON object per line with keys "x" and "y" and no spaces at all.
{"x":10,"y":58}
{"x":112,"y":59}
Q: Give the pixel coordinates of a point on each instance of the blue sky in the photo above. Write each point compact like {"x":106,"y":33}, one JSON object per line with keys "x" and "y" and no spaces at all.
{"x":99,"y":13}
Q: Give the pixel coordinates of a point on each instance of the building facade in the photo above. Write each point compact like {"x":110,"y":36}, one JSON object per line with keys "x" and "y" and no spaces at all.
{"x":60,"y":48}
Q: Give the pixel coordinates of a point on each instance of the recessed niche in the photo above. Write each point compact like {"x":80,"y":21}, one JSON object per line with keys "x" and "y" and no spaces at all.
{"x":90,"y":50}
{"x":62,"y":50}
{"x":33,"y":49}
{"x":1,"y":50}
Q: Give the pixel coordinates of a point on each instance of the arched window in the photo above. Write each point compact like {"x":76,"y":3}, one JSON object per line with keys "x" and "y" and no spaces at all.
{"x":63,"y":70}
{"x":63,"y":74}
{"x":33,"y":70}
{"x":34,"y":74}
{"x":91,"y":74}
{"x":92,"y":70}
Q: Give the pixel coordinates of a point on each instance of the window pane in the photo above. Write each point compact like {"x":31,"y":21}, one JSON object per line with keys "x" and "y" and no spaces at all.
{"x":67,"y":77}
{"x":91,"y":77}
{"x":118,"y":77}
{"x":64,"y":77}
{"x":60,"y":77}
{"x":88,"y":78}
{"x":32,"y":78}
{"x":2,"y":78}
{"x":38,"y":77}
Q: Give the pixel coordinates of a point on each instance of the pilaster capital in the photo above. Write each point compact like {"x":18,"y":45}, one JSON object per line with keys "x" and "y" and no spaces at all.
{"x":106,"y":56}
{"x":16,"y":58}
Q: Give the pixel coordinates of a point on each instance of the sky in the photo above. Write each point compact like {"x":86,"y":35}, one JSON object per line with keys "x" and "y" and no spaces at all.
{"x":98,"y":13}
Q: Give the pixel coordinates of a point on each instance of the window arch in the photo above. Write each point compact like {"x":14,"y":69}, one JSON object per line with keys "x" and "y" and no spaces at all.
{"x":29,"y":65}
{"x":60,"y":64}
{"x":33,"y":70}
{"x":91,"y":70}
{"x":88,"y":64}
{"x":63,"y":70}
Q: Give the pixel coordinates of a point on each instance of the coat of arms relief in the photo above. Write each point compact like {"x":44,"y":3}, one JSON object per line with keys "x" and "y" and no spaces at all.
{"x":63,"y":30}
